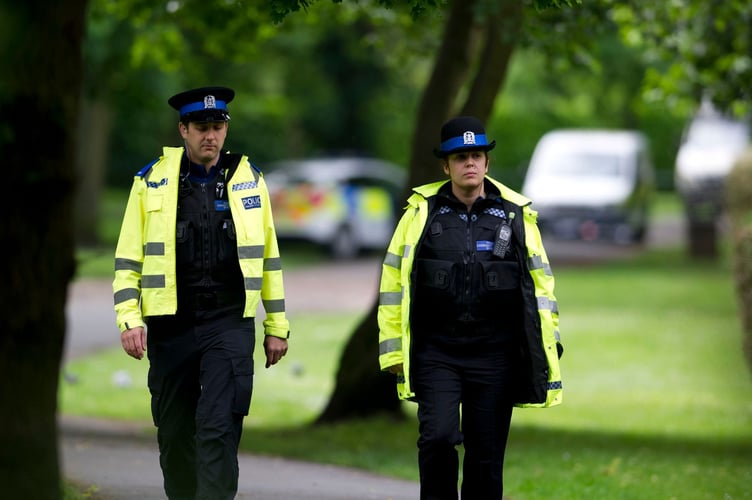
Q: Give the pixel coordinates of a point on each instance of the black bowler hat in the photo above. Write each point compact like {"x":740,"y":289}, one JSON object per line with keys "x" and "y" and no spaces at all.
{"x":464,"y":133}
{"x":206,"y":104}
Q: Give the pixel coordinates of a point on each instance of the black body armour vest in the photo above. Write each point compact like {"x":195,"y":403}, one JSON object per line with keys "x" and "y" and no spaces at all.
{"x":206,"y":248}
{"x":467,"y":270}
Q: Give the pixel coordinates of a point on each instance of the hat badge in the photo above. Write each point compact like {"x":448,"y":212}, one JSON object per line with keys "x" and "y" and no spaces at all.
{"x":468,"y":137}
{"x":210,"y":102}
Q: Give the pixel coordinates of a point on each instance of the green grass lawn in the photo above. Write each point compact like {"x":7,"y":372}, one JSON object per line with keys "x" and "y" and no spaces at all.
{"x":657,"y":396}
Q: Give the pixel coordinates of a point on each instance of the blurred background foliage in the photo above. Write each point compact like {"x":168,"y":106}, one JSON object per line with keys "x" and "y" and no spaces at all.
{"x":347,"y":77}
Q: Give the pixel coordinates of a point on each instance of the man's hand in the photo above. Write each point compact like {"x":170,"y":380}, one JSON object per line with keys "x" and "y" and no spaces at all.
{"x":275,"y":348}
{"x":134,"y":341}
{"x":396,"y":369}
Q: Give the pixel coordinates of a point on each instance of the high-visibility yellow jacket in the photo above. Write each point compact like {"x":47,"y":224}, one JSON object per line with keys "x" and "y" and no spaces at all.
{"x":145,"y":280}
{"x":542,"y":386}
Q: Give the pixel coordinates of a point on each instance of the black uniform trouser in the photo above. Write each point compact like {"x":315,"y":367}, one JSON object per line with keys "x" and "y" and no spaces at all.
{"x":478,"y":374}
{"x":200,"y":379}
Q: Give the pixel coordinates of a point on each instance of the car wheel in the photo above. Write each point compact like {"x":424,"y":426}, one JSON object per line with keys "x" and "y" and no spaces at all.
{"x":623,"y":234}
{"x":343,"y":245}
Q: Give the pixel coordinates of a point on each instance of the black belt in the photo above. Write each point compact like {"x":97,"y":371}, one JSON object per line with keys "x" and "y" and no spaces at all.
{"x":204,"y":301}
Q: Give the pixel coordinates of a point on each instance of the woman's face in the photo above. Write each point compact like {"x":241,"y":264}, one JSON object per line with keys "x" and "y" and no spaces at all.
{"x":467,"y":169}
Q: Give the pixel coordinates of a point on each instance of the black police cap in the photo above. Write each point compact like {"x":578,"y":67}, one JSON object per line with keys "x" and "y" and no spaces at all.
{"x":464,"y":133}
{"x":205,"y":104}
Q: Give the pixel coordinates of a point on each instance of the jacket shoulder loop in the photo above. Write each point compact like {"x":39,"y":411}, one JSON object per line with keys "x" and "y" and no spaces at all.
{"x":145,"y":170}
{"x":509,"y":194}
{"x":231,"y":161}
{"x":427,"y":190}
{"x":255,"y":171}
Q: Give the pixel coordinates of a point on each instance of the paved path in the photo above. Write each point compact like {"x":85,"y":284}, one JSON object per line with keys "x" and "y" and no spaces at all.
{"x":123,"y":464}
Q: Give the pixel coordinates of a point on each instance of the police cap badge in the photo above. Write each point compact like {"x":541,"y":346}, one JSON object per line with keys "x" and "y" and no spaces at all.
{"x":205,"y":104}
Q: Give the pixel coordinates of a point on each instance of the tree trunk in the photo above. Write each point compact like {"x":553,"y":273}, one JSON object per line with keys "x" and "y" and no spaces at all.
{"x":501,"y":37}
{"x":41,"y":64}
{"x":361,"y":388}
{"x":450,"y":71}
{"x":91,"y":157}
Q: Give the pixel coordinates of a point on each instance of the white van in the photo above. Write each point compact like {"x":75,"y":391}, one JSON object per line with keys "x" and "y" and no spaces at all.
{"x":592,"y":184}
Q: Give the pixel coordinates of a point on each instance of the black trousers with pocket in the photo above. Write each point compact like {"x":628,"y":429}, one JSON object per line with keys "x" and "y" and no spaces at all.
{"x":464,"y":386}
{"x":200,"y":380}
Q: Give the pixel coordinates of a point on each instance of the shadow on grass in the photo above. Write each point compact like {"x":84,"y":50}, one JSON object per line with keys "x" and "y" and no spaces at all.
{"x":540,"y":462}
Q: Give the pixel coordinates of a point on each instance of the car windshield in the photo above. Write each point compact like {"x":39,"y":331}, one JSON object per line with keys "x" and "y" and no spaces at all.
{"x":583,"y":165}
{"x":717,"y":132}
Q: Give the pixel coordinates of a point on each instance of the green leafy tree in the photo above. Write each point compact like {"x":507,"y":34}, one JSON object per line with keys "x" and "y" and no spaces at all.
{"x":701,"y":50}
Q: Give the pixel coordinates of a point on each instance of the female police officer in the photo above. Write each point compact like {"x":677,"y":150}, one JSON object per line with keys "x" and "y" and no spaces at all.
{"x":467,"y":316}
{"x":197,"y":252}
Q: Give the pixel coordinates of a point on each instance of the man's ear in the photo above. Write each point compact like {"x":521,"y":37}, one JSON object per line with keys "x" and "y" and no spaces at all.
{"x":445,"y":166}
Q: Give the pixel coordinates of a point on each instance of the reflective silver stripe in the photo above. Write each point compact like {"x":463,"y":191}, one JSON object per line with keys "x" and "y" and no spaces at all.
{"x":274,"y":306}
{"x":128,"y":265}
{"x":556,"y":336}
{"x":127,"y":294}
{"x":253,"y":284}
{"x":391,"y":345}
{"x":392,"y":260}
{"x":546,"y":303}
{"x":154,"y":248}
{"x":251,"y":252}
{"x":273,"y":264}
{"x":153,"y":281}
{"x":554,"y":306}
{"x":390,"y":298}
{"x":535,"y":262}
{"x":406,"y":251}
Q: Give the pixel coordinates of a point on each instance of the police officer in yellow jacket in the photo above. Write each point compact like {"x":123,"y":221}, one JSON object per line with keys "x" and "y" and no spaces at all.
{"x":467,"y":316}
{"x":197,"y":252}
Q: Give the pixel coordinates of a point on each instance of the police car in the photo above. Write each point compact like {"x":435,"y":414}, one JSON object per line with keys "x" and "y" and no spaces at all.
{"x":345,"y":204}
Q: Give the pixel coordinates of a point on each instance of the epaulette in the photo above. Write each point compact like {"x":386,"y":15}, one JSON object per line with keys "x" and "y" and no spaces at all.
{"x":145,"y":169}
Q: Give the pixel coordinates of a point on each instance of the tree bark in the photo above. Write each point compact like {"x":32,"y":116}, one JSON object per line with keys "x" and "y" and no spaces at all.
{"x":361,"y":389}
{"x":451,"y":68}
{"x":41,"y":61}
{"x":91,"y":157}
{"x":501,"y":37}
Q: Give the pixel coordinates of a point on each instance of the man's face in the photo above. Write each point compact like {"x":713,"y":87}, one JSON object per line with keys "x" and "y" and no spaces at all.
{"x":467,"y":169}
{"x":204,"y":141}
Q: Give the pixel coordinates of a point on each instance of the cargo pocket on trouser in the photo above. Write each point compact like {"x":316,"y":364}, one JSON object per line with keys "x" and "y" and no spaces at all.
{"x":155,"y":389}
{"x":242,"y":370}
